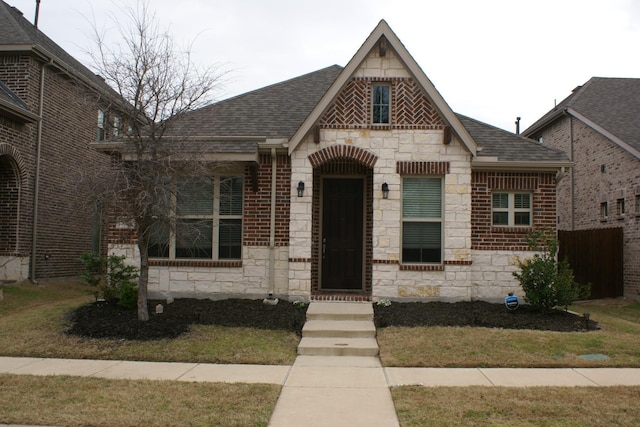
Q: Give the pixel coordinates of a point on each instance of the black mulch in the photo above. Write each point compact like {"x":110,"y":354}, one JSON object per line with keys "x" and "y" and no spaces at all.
{"x":102,"y":320}
{"x":478,"y":313}
{"x":108,"y":320}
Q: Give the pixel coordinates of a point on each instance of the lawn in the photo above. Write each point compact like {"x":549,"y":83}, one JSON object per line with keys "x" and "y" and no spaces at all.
{"x":34,"y":321}
{"x":77,"y":401}
{"x":437,"y":346}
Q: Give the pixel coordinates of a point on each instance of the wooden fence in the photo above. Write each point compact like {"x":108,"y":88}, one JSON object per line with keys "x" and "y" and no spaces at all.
{"x":596,"y":257}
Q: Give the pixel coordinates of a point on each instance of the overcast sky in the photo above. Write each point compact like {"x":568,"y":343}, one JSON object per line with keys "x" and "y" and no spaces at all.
{"x":491,"y":60}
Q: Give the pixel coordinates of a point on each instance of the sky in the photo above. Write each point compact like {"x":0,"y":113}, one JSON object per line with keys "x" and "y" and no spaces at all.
{"x":492,"y":60}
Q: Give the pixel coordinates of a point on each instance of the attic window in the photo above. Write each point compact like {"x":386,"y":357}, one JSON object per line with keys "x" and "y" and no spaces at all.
{"x":381,"y":103}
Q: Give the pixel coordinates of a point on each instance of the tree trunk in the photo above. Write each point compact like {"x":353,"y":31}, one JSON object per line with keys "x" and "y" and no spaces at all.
{"x":143,"y":280}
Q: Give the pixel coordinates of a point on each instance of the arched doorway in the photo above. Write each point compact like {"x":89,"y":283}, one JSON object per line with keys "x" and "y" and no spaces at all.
{"x":9,"y":205}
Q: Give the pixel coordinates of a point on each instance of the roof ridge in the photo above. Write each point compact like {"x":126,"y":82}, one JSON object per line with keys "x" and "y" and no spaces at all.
{"x":269,"y":86}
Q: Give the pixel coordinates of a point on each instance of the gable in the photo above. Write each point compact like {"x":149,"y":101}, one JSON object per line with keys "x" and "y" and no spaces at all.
{"x":383,"y":57}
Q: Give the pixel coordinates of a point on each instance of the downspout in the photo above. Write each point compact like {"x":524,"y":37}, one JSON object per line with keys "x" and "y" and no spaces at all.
{"x":272,"y":231}
{"x":36,"y":188}
{"x":573,"y":186}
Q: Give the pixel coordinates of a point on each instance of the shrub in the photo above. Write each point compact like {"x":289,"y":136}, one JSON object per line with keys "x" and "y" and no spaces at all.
{"x":547,"y":282}
{"x":113,"y":279}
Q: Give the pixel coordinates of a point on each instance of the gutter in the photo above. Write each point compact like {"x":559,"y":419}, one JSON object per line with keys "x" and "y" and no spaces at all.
{"x":493,"y":164}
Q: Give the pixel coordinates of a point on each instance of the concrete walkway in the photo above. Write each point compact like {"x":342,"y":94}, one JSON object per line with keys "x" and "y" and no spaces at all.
{"x":327,"y":390}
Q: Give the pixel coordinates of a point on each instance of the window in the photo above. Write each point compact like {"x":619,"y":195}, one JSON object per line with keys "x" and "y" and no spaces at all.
{"x":101,"y":134}
{"x":620,"y":209}
{"x":604,"y":210}
{"x":637,"y":204}
{"x":422,"y":220}
{"x":381,"y":103}
{"x":117,"y":125}
{"x":511,"y":209}
{"x":208,"y":221}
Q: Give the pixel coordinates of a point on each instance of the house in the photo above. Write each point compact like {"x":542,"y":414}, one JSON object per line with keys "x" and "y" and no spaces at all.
{"x":354,"y":183}
{"x":597,"y":126}
{"x":51,"y":108}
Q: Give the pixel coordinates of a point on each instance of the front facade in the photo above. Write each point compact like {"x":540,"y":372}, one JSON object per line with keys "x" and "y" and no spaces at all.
{"x":361,"y":184}
{"x":597,"y":127}
{"x":49,"y":107}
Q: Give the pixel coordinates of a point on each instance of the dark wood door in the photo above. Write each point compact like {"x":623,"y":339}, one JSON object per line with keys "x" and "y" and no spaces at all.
{"x":341,"y":250}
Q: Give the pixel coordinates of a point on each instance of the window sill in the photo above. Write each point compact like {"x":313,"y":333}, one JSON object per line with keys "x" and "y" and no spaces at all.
{"x":195,"y":263}
{"x":511,"y":229}
{"x":421,"y":267}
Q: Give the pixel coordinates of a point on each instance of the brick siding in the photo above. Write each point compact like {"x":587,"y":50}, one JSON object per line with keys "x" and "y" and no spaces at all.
{"x":65,"y":228}
{"x":484,"y":235}
{"x":603,"y":171}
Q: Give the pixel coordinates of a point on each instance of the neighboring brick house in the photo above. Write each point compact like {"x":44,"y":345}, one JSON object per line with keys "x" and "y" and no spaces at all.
{"x":49,"y":107}
{"x":356,"y":183}
{"x":598,"y":127}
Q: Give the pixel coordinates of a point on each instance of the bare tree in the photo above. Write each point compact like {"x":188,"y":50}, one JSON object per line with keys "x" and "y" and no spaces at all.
{"x":157,"y":84}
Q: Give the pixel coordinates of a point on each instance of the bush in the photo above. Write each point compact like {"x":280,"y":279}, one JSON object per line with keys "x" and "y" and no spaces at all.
{"x":546,"y":282}
{"x":113,"y":279}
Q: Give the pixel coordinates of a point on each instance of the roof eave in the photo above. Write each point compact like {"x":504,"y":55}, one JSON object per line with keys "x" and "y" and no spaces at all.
{"x":493,"y":164}
{"x":18,"y":113}
{"x":604,"y":132}
{"x":536,"y":127}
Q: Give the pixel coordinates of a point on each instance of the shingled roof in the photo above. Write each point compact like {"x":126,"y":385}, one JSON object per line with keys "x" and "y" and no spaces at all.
{"x":17,"y":34}
{"x":505,"y":146}
{"x":278,"y":110}
{"x":275,"y":111}
{"x":610,"y":105}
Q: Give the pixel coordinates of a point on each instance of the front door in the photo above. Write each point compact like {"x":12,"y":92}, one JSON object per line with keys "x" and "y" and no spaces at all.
{"x":342,"y":230}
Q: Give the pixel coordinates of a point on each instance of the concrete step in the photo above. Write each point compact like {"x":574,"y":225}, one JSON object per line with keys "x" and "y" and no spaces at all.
{"x":337,"y":346}
{"x":340,"y":311}
{"x":339,"y":329}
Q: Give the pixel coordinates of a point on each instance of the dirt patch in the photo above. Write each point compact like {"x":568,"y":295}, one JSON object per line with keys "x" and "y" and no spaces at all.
{"x":477,"y":313}
{"x":102,"y":320}
{"x":107,"y":320}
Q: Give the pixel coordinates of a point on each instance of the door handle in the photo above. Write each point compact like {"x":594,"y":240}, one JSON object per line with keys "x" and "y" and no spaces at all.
{"x":324,"y":246}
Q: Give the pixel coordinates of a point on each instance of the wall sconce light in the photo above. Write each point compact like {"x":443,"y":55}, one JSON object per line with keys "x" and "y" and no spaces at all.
{"x":385,"y":190}
{"x":300,"y":189}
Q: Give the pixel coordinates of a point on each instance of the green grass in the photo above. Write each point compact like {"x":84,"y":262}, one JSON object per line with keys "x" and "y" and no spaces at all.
{"x":33,"y":321}
{"x":487,"y":347}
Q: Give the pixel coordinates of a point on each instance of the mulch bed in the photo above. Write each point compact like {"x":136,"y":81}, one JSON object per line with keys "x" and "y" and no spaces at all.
{"x":108,"y":320}
{"x":478,"y":313}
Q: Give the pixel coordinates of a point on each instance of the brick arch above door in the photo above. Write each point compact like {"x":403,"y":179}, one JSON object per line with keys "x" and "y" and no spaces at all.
{"x":343,"y":151}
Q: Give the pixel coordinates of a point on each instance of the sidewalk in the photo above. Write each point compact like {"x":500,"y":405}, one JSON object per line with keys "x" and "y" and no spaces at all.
{"x":331,"y":390}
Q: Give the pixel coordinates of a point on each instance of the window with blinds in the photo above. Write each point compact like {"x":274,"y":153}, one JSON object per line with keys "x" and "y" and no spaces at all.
{"x":422,"y":220}
{"x":208,"y":220}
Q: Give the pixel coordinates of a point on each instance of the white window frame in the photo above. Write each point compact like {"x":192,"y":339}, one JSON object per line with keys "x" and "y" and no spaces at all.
{"x":117,"y":126}
{"x":215,"y":216}
{"x":406,"y":219}
{"x":511,"y":209}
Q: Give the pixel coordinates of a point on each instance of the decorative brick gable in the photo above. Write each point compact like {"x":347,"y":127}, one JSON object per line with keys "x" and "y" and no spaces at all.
{"x":410,"y":108}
